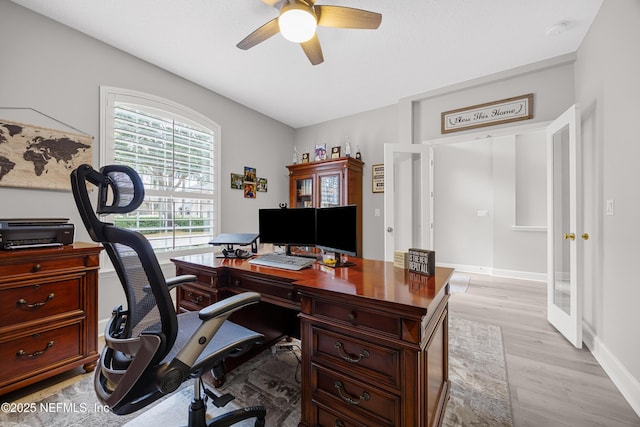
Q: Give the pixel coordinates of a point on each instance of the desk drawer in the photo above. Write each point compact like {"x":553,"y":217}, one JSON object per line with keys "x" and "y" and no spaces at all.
{"x":27,"y":301}
{"x":193,"y":298}
{"x":25,"y":355}
{"x":378,"y":364}
{"x":358,"y":317}
{"x":208,"y":279}
{"x":330,"y":418}
{"x":266,"y":288}
{"x":20,"y":267}
{"x":347,"y":395}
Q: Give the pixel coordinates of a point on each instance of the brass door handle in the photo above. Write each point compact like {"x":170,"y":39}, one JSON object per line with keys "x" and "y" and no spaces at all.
{"x":585,"y":236}
{"x":569,"y":236}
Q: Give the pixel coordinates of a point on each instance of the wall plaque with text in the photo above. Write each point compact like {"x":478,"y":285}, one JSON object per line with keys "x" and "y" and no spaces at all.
{"x":422,"y":261}
{"x":489,"y":114}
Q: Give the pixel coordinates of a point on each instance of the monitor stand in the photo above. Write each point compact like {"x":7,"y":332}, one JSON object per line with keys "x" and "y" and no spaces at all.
{"x":240,"y":239}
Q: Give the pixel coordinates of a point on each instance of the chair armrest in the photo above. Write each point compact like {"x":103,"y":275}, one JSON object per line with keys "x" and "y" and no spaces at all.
{"x":228,"y":305}
{"x":172,"y":282}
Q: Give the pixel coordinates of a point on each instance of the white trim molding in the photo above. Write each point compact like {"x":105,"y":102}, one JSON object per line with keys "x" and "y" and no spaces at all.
{"x":628,"y":385}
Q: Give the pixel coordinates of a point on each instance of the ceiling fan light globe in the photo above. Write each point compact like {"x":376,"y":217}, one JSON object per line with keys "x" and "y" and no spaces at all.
{"x":297,"y":24}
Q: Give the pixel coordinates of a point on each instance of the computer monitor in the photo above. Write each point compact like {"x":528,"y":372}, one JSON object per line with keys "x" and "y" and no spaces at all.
{"x":336,"y":229}
{"x":287,"y":226}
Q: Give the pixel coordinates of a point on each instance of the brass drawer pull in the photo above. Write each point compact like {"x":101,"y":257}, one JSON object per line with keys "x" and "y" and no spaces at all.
{"x":195,"y":300}
{"x":23,"y":302}
{"x":351,"y":316}
{"x":22,"y":353}
{"x":363,"y":397}
{"x":349,"y":358}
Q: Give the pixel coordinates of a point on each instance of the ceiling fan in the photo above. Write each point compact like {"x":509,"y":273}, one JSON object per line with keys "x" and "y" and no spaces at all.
{"x":298,"y":20}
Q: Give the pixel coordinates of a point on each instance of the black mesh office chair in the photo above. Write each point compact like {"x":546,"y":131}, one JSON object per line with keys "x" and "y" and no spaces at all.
{"x":149,"y":349}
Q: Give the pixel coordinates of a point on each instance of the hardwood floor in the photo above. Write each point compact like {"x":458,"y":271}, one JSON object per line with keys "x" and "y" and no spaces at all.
{"x":551,"y":382}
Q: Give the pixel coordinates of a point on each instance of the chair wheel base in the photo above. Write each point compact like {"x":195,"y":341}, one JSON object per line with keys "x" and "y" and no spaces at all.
{"x":198,"y":412}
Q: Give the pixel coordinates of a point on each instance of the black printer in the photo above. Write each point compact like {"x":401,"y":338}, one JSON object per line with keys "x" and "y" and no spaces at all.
{"x":19,"y":233}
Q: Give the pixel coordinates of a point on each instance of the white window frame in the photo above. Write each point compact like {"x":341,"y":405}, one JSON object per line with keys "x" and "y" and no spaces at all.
{"x":110,"y":95}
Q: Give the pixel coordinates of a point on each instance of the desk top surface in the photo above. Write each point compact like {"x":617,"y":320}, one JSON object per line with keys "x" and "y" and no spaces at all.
{"x":375,"y":280}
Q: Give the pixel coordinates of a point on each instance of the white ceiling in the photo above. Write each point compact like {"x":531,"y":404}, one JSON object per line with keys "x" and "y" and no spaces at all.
{"x":421,"y":45}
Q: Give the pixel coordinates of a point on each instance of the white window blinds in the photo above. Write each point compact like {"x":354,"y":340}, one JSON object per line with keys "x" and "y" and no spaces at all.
{"x":176,"y":159}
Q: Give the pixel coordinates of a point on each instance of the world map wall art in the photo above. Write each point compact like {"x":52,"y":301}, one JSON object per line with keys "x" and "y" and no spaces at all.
{"x":36,"y":157}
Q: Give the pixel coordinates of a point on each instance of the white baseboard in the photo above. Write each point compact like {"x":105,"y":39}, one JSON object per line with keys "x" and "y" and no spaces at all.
{"x":512,"y":274}
{"x":628,"y":385}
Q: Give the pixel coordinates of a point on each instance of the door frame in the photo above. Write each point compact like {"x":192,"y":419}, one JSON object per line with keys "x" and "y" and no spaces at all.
{"x":392,"y":235}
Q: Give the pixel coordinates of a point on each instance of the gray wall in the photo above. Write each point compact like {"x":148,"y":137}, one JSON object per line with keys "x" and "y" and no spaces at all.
{"x":370,"y":131}
{"x":58,"y":71}
{"x":607,"y":89}
{"x":417,"y":119}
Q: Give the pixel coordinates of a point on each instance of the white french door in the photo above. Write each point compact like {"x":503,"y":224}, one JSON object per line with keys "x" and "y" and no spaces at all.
{"x":406,"y":201}
{"x":564,"y":226}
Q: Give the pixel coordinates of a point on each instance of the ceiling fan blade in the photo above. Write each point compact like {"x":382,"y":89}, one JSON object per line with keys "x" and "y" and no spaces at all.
{"x":275,"y":3}
{"x":347,"y":17}
{"x":313,"y":50}
{"x":269,"y":29}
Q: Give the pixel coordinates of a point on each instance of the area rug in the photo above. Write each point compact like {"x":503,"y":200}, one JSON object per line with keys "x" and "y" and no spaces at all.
{"x":272,"y":379}
{"x":478,"y":374}
{"x":479,"y":390}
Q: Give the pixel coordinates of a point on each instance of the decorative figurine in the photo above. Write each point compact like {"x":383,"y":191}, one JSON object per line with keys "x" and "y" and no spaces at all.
{"x":347,"y":147}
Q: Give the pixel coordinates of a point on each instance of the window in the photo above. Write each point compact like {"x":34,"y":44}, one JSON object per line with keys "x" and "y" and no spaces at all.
{"x":175,"y":151}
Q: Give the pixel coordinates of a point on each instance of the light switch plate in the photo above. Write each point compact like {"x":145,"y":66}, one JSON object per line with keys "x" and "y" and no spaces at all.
{"x":611,"y":207}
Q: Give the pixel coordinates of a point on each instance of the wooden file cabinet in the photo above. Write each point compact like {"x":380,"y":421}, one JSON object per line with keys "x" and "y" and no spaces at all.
{"x":372,"y":366}
{"x":48,"y":312}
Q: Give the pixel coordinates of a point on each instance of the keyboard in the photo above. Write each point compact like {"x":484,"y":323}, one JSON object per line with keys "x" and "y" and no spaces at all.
{"x":287,"y":262}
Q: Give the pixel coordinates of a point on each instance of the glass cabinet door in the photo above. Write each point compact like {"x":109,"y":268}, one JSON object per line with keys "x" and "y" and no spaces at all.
{"x":329,"y":190}
{"x":304,"y":193}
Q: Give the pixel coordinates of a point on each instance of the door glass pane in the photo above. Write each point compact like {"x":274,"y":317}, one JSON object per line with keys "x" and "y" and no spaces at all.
{"x":304,"y":193}
{"x":561,"y":225}
{"x":329,"y":191}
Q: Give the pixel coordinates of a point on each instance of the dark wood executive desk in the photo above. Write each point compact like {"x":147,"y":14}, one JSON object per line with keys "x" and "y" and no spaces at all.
{"x":374,"y":337}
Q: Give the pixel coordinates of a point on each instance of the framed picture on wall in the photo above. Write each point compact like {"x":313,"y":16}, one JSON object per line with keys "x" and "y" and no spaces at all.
{"x":236,"y":181}
{"x":249,"y":190}
{"x":377,"y":178}
{"x":262,"y":185}
{"x":249,"y":174}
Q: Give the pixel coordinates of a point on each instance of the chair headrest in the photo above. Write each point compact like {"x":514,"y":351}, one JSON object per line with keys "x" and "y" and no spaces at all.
{"x":121,"y":192}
